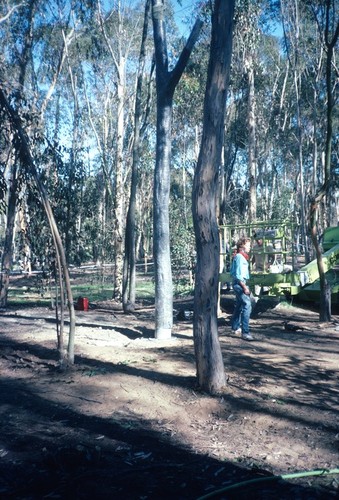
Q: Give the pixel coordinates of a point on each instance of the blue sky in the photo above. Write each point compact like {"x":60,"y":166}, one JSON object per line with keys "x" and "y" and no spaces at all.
{"x":184,"y":11}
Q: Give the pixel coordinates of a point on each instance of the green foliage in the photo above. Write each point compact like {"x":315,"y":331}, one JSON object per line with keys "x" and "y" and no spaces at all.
{"x":183,"y":253}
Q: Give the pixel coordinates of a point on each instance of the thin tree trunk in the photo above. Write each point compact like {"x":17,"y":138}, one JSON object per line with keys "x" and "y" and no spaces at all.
{"x":7,"y":251}
{"x":119,"y":187}
{"x":252,"y":161}
{"x":325,"y":287}
{"x":119,"y":58}
{"x":129,"y":272}
{"x":300,"y":175}
{"x":27,"y":159}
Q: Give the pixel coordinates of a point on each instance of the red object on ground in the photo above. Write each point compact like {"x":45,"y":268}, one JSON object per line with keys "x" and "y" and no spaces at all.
{"x":82,"y":304}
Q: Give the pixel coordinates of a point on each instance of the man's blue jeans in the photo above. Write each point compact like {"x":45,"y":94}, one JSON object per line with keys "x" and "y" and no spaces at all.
{"x":242,"y":310}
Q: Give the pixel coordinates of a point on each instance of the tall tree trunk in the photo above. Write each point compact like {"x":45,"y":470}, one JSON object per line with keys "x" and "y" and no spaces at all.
{"x":161,"y":233}
{"x":252,"y":160}
{"x":129,"y":275}
{"x":166,"y":82}
{"x":325,"y":287}
{"x":119,"y":58}
{"x":73,"y":156}
{"x":210,"y":367}
{"x":290,"y":16}
{"x":7,"y":251}
{"x":119,"y":194}
{"x":300,"y":176}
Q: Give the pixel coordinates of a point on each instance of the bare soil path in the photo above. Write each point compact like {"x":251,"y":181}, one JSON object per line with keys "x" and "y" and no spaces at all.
{"x":128,"y":422}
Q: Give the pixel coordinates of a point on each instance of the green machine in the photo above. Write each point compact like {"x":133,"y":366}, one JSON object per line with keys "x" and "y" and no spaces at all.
{"x":282,"y":271}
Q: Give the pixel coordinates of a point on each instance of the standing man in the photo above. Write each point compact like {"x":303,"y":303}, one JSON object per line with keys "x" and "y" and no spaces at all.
{"x":263,"y":257}
{"x":240,"y":274}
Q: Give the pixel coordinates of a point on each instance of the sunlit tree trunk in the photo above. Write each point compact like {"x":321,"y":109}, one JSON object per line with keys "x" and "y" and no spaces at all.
{"x":119,"y":195}
{"x":166,"y":82}
{"x":119,"y":53}
{"x":23,"y":222}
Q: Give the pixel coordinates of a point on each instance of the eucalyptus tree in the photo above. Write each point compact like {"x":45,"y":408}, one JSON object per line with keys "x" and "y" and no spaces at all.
{"x":21,"y":57}
{"x":25,"y":110}
{"x":118,"y":47}
{"x":141,"y":113}
{"x":166,"y":83}
{"x":8,"y":10}
{"x":109,"y":88}
{"x":328,"y":23}
{"x":233,"y":192}
{"x":144,"y":220}
{"x":210,"y":367}
{"x":246,"y":39}
{"x":255,"y":84}
{"x":275,"y":178}
{"x":186,"y":137}
{"x":292,"y":14}
{"x":24,"y":151}
{"x":305,"y":137}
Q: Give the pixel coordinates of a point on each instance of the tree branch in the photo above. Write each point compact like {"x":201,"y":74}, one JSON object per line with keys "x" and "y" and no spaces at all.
{"x":179,"y":68}
{"x":9,"y":13}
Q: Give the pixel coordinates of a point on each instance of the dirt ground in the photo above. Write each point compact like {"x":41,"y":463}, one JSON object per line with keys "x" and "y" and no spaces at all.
{"x":128,"y":421}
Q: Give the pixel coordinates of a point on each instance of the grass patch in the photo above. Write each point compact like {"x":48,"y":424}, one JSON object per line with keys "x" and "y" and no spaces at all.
{"x":28,"y":291}
{"x":33,"y":291}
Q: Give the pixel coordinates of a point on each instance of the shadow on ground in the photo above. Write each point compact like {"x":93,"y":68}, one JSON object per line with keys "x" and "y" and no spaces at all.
{"x":48,"y":450}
